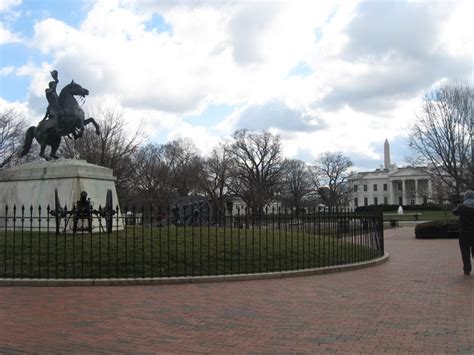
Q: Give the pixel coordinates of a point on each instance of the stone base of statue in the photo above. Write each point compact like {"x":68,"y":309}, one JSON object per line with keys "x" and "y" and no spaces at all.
{"x":32,"y":186}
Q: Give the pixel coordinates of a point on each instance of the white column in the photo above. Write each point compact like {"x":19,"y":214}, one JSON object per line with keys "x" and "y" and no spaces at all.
{"x":396,"y":192}
{"x":416,"y":191}
{"x":404,"y":192}
{"x":429,"y":193}
{"x":392,"y":193}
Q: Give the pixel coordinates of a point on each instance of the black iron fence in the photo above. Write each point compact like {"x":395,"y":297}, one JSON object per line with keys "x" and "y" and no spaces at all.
{"x":139,"y":243}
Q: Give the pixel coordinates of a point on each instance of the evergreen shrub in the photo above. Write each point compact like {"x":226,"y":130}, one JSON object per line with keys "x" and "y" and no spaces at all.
{"x":441,"y":228}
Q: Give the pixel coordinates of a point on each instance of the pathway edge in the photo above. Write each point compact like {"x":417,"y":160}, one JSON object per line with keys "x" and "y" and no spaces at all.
{"x":191,"y":279}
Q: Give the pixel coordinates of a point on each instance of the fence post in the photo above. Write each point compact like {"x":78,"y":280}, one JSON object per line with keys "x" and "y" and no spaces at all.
{"x":381,"y":236}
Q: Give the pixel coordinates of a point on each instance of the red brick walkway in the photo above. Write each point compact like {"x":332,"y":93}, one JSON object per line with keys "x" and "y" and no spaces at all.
{"x":419,"y":301}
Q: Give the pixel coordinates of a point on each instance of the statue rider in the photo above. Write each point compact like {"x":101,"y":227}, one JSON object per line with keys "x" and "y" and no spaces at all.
{"x":53,"y":110}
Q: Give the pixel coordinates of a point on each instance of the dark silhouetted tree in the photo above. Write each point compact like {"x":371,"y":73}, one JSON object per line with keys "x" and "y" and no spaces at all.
{"x":296,"y":183}
{"x":330,"y":177}
{"x":215,"y":178}
{"x":442,"y":137}
{"x":257,"y":168}
{"x":12,"y":133}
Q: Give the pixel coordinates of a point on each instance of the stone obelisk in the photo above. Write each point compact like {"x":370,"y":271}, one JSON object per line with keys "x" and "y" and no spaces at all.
{"x":386,"y":152}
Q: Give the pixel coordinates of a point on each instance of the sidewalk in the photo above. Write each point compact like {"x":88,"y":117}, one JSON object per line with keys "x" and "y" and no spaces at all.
{"x":418,"y":301}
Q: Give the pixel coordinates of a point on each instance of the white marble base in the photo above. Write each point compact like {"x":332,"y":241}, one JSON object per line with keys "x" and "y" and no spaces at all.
{"x":33,"y":184}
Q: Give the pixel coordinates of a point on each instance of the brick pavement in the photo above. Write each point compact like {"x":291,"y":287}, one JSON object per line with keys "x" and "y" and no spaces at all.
{"x":417,"y":302}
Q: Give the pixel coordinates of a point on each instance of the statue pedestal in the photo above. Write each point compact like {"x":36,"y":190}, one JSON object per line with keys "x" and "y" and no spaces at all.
{"x":32,"y":185}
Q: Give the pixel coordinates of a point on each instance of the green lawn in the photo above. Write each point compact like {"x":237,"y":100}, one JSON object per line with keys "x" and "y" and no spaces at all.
{"x":173,"y":251}
{"x":424,"y":215}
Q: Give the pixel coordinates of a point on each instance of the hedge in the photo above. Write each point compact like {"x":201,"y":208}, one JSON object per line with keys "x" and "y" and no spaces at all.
{"x":441,"y":228}
{"x":394,"y":208}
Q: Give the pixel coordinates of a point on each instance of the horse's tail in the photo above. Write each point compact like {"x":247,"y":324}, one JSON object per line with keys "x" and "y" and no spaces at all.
{"x":30,"y":134}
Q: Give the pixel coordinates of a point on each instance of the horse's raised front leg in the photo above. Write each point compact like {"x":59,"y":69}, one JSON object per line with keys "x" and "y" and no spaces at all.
{"x":91,"y":120}
{"x":79,"y":131}
{"x":75,"y":134}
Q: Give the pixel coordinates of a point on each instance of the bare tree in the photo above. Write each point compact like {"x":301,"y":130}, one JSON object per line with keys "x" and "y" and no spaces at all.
{"x":12,"y":132}
{"x":215,"y":177}
{"x":442,"y":136}
{"x":165,"y":172}
{"x":113,"y":148}
{"x":296,"y":183}
{"x":330,"y":178}
{"x":185,"y":165}
{"x":153,"y":180}
{"x":442,"y":194}
{"x":256,"y":167}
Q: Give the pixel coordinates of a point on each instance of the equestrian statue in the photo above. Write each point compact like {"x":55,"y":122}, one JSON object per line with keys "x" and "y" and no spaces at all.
{"x":63,"y":117}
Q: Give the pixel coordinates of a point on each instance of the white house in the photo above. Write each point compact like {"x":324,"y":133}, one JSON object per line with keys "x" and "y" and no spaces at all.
{"x":391,"y":185}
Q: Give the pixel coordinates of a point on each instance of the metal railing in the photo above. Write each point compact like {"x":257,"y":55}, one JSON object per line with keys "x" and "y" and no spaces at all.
{"x":38,"y":244}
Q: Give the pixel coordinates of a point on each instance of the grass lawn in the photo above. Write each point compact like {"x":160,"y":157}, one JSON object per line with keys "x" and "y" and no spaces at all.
{"x":173,"y":251}
{"x":424,"y":215}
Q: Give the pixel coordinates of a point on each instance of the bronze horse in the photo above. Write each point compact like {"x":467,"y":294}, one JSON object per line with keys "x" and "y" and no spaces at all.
{"x":73,"y":122}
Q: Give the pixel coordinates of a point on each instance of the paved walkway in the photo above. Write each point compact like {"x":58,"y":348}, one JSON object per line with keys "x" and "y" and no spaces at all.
{"x":419,"y":301}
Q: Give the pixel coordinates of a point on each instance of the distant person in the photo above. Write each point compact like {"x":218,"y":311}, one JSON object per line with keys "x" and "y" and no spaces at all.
{"x":465,"y":211}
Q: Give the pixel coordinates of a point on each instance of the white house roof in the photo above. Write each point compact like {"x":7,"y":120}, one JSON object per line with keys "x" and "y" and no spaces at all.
{"x":408,"y":172}
{"x":376,"y":174}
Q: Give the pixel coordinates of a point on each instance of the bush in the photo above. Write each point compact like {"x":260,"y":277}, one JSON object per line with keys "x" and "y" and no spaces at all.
{"x":377,"y":208}
{"x":394,"y":208}
{"x":441,"y":228}
{"x":425,"y":207}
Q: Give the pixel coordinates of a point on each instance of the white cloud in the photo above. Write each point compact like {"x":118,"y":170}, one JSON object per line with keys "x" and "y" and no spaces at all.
{"x":7,"y":70}
{"x":8,"y":15}
{"x":203,"y":139}
{"x":393,"y":51}
{"x":456,"y":31}
{"x":365,"y":74}
{"x":273,"y":114}
{"x":6,"y":5}
{"x":19,"y":107}
{"x":6,"y":36}
{"x":196,"y":63}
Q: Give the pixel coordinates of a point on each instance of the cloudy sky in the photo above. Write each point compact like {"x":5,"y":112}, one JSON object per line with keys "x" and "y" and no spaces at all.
{"x":325,"y":75}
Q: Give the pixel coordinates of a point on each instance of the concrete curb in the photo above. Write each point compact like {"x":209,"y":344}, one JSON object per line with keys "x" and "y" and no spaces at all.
{"x":189,"y":279}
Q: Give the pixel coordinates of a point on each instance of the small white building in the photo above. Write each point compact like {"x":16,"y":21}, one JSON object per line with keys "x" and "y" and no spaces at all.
{"x":391,"y":185}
